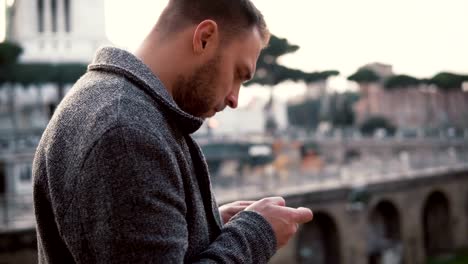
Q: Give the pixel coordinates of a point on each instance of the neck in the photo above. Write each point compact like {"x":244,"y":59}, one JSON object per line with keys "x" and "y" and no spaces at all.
{"x":161,"y":57}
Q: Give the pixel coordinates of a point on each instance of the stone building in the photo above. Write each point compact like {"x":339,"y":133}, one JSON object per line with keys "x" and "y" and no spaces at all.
{"x":58,"y":30}
{"x":49,"y":31}
{"x":419,"y":106}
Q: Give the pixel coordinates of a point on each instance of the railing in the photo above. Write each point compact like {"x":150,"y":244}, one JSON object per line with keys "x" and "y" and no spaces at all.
{"x":16,"y":212}
{"x":441,"y":135}
{"x":21,"y":140}
{"x":268,"y":181}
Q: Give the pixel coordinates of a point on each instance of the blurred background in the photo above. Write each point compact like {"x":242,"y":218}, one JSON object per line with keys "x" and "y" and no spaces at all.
{"x":358,"y":110}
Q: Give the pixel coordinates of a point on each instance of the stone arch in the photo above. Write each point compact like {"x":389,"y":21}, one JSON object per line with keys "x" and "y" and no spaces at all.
{"x":319,"y":241}
{"x":352,"y":155}
{"x":3,"y":178}
{"x":466,"y":210}
{"x":384,"y":233}
{"x":437,"y":222}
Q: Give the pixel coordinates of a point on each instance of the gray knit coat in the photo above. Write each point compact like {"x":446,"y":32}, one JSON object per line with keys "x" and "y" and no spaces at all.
{"x":118,"y":178}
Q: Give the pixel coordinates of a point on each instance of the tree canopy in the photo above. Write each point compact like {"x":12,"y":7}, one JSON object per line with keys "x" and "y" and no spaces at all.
{"x":401,"y":81}
{"x":339,"y":113}
{"x":41,"y":73}
{"x":305,"y":115}
{"x":443,"y":80}
{"x":364,"y":75}
{"x":35,"y":72}
{"x":270,"y":72}
{"x":449,"y":81}
{"x":9,"y":52}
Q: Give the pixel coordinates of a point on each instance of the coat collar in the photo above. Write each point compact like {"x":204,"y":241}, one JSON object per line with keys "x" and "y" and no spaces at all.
{"x":126,"y":64}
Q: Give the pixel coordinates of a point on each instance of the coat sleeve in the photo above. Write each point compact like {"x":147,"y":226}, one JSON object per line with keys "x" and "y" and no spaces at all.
{"x":132,"y":208}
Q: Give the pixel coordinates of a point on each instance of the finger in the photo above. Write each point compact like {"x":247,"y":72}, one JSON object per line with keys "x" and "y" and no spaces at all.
{"x":300,"y":215}
{"x":275,"y":200}
{"x":246,"y":203}
{"x":236,"y":203}
{"x":303,"y":215}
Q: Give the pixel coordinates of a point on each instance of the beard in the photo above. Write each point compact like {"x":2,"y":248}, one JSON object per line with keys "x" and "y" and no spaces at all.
{"x":196,"y":94}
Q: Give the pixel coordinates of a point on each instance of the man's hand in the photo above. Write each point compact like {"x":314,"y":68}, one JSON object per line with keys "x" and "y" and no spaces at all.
{"x":284,"y":220}
{"x":227,"y":211}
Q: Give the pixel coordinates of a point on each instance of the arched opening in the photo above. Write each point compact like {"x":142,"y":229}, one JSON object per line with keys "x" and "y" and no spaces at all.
{"x":2,"y":178}
{"x":318,"y":241}
{"x":437,"y":225}
{"x":466,"y":210}
{"x":384,"y":235}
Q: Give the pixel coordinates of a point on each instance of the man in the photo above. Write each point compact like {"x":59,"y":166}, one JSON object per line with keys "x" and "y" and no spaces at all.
{"x":117,"y":176}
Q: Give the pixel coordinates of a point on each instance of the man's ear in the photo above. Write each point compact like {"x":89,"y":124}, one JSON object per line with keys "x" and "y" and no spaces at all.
{"x":206,"y":36}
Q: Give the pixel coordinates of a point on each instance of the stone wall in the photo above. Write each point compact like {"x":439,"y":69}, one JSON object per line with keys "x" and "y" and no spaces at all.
{"x":408,"y":196}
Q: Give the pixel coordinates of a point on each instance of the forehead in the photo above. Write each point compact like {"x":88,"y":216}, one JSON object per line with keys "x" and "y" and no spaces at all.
{"x":246,"y":47}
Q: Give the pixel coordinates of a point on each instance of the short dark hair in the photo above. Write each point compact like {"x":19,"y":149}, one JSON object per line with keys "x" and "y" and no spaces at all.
{"x":232,"y":16}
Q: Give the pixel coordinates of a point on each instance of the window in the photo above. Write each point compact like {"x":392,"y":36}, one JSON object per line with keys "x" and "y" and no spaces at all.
{"x":25,"y":173}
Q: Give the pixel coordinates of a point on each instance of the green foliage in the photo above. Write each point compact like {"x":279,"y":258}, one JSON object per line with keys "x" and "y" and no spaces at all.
{"x":309,"y":147}
{"x":448,"y":81}
{"x":305,"y":115}
{"x":9,"y":52}
{"x":425,"y":80}
{"x":270,"y":73}
{"x":30,"y":73}
{"x":318,"y":76}
{"x":364,"y":76}
{"x":377,"y":122}
{"x":69,"y":73}
{"x":271,"y":125}
{"x":359,"y":195}
{"x":276,"y":48}
{"x":274,"y":74}
{"x":460,"y":258}
{"x":41,"y":73}
{"x":401,"y":81}
{"x":35,"y":73}
{"x":308,"y":114}
{"x":340,"y":112}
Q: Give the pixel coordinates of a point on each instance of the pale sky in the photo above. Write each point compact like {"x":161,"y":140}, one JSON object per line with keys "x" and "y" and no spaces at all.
{"x":417,"y":37}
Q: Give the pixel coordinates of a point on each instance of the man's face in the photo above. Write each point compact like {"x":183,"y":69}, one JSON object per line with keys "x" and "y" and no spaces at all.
{"x":216,"y":83}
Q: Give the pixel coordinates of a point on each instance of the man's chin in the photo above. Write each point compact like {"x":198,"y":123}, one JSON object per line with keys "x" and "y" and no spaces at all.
{"x":206,"y":115}
{"x":210,"y":114}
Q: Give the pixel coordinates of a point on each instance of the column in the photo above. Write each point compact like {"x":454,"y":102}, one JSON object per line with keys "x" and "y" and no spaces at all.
{"x":47,"y":16}
{"x":60,"y":16}
{"x":67,"y":15}
{"x":61,"y":25}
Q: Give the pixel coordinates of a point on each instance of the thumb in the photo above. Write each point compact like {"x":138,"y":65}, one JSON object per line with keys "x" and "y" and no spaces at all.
{"x":303,"y":215}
